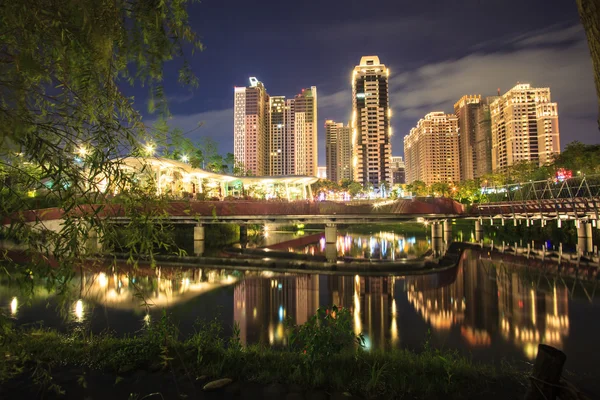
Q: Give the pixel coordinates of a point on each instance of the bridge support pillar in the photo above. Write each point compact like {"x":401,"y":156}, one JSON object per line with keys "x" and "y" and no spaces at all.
{"x":330,"y":233}
{"x":581,"y":237}
{"x":478,"y":231}
{"x":447,"y":232}
{"x":437,"y":239}
{"x":93,"y":242}
{"x":243,"y":236}
{"x":331,"y":252}
{"x":589,"y":237}
{"x":199,"y":240}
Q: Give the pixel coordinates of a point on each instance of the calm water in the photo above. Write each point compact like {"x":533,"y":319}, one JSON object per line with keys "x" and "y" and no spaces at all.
{"x":488,"y":312}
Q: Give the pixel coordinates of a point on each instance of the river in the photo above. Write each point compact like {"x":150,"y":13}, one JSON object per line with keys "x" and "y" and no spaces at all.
{"x":487,"y":310}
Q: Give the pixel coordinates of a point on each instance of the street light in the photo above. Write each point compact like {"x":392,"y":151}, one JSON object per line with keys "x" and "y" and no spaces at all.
{"x":184,"y":158}
{"x":149,"y":148}
{"x":82,"y":151}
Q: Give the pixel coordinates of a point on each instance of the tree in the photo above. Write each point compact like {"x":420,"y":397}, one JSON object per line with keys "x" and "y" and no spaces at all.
{"x":229,"y":162}
{"x":440,"y":189}
{"x":63,"y":112}
{"x":418,"y":188}
{"x":589,"y":13}
{"x":579,"y":157}
{"x":354,"y":188}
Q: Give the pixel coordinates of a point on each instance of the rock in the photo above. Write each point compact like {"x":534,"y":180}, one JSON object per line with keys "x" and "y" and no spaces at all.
{"x":294,"y":396}
{"x":201,"y":378}
{"x":218,"y":384}
{"x":275,"y":391}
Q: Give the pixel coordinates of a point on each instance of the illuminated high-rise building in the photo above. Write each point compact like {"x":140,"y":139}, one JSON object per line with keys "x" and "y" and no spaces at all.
{"x":274,"y":135}
{"x":431,"y":149}
{"x":338,"y":151}
{"x":371,"y":128}
{"x":279,"y":137}
{"x":251,"y":127}
{"x":305,"y":132}
{"x":465,"y":110}
{"x":483,"y":138}
{"x":524,"y":127}
{"x":398,"y":170}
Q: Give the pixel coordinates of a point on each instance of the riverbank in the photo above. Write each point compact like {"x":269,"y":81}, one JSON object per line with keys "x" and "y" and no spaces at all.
{"x":43,"y":363}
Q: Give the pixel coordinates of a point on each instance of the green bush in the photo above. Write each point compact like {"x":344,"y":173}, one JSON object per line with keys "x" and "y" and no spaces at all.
{"x":326,"y":333}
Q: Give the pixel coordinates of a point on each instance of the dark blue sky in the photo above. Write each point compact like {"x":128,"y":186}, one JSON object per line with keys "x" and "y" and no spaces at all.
{"x":437,"y":51}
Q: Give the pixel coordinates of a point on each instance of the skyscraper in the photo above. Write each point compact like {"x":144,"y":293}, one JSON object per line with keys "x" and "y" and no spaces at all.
{"x":398,"y":170}
{"x":371,"y":128}
{"x":278,"y":137}
{"x":431,"y":149}
{"x":251,"y":127}
{"x":305,"y":132}
{"x":524,"y":127}
{"x":274,"y":135}
{"x":465,"y":110}
{"x":338,"y":151}
{"x":483,"y":138}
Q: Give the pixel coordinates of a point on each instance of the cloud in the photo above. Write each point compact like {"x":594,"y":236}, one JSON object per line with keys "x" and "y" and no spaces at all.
{"x":558,"y":59}
{"x":180,"y":98}
{"x":216,"y":124}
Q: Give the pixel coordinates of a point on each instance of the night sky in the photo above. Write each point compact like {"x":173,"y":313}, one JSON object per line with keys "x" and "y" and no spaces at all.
{"x":437,"y":51}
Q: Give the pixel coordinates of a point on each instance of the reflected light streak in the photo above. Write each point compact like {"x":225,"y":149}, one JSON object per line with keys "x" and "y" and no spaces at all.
{"x":14,"y":304}
{"x":79,"y":310}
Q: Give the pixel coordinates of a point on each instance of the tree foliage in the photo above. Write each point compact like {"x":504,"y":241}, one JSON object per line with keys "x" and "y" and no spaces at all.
{"x":65,"y":120}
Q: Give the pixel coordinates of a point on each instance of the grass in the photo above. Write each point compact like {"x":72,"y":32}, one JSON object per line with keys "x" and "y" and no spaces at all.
{"x":391,"y":373}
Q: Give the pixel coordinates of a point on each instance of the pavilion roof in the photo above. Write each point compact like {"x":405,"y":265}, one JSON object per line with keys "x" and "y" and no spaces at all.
{"x":165,"y":163}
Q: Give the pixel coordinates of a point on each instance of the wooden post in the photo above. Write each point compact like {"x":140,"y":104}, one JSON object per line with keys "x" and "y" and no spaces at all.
{"x":546,"y":373}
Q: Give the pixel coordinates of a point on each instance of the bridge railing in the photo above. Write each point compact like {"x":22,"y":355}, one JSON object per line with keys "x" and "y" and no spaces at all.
{"x":584,"y":187}
{"x":577,"y":195}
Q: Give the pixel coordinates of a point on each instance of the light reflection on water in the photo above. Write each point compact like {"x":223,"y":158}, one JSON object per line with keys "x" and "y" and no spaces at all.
{"x":485,"y":311}
{"x":381,"y":245}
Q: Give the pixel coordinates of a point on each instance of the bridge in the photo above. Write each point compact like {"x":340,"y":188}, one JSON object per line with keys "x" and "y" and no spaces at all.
{"x":574,"y":198}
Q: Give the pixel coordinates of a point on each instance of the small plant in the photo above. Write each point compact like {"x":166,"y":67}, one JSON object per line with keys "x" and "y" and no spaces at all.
{"x":326,"y":333}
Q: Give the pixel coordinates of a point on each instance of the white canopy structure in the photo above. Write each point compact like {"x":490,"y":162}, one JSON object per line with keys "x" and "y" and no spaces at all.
{"x":178,"y":177}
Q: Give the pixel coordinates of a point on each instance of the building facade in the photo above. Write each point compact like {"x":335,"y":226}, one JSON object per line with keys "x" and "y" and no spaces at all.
{"x":398,"y":170}
{"x":338,"y":151}
{"x":251,"y":127}
{"x":466,"y":110}
{"x":431,"y":149}
{"x":483,"y":138}
{"x":305,"y":132}
{"x":524,"y":127}
{"x":371,"y":128}
{"x":273,"y":135}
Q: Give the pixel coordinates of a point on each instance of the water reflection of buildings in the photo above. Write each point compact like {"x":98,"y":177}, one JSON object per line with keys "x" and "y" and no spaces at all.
{"x":484,"y":301}
{"x":261,"y":306}
{"x":381,"y":245}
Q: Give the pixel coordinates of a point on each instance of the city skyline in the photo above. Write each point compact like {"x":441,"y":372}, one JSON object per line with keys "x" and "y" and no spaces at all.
{"x":429,"y":72}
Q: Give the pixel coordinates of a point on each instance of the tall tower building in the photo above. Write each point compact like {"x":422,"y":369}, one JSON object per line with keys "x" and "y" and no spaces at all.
{"x":274,"y":135}
{"x":398,"y":170}
{"x":338,"y":151}
{"x":465,"y":110}
{"x":278,"y":136}
{"x":305,"y":132}
{"x":431,"y":149}
{"x":524,"y":127}
{"x":251,"y":127}
{"x":483,"y":138}
{"x":331,"y":152}
{"x":371,"y":128}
